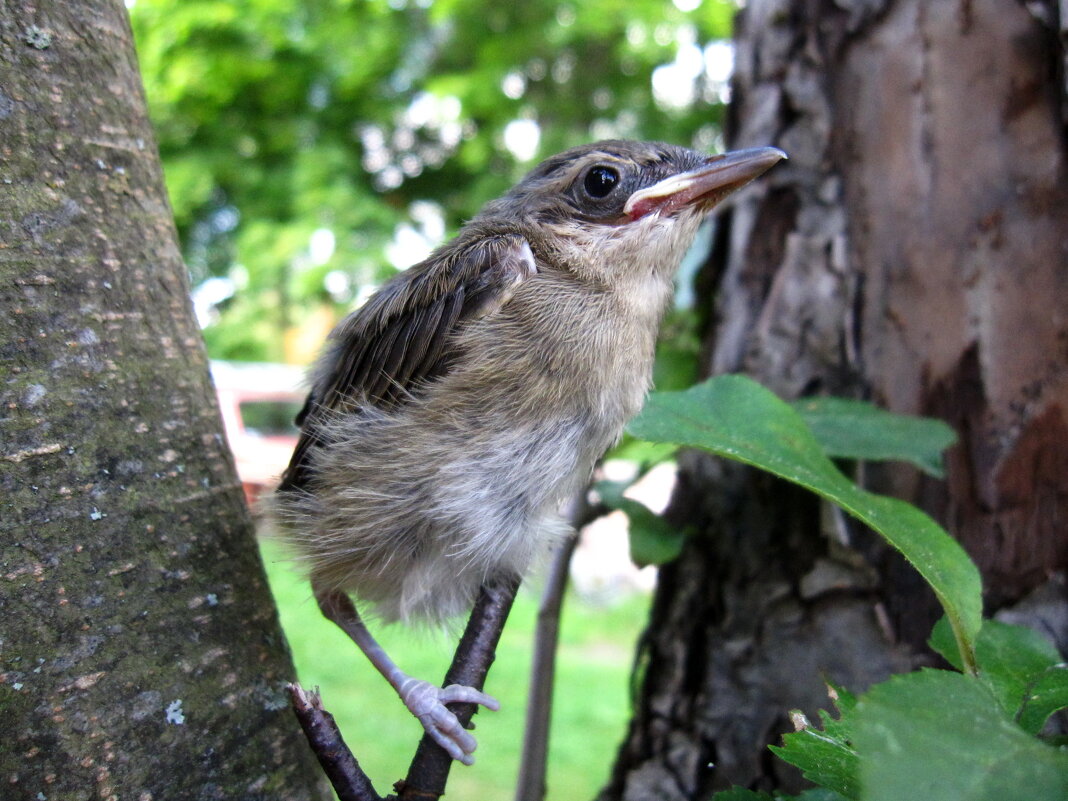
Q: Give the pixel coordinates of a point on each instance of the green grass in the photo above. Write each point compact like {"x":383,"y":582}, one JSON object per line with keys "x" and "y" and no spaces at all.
{"x":590,"y":708}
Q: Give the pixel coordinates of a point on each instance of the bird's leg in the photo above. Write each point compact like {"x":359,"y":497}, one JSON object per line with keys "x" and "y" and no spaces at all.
{"x":424,"y":700}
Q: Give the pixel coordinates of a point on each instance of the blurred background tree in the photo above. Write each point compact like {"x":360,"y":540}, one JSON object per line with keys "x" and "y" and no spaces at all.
{"x":311,"y":148}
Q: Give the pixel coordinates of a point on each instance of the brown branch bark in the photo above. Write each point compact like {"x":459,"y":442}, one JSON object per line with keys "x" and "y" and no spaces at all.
{"x":530,"y":786}
{"x":340,"y":766}
{"x":533,"y":763}
{"x":429,"y":770}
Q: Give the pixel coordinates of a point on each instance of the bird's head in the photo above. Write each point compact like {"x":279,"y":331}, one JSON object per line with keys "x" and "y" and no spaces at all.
{"x":634,"y":205}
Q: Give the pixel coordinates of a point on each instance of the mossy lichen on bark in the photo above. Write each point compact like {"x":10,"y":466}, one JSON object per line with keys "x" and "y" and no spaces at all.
{"x":141,"y":655}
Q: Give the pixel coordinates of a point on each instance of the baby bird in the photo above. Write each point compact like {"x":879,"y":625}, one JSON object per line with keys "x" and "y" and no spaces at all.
{"x":453,"y":414}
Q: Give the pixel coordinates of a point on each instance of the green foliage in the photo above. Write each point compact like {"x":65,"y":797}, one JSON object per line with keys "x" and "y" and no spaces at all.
{"x":677,"y":352}
{"x":851,"y":429}
{"x":278,"y":118}
{"x":1019,"y":666}
{"x":645,"y":454}
{"x":939,"y":735}
{"x":653,"y":541}
{"x":826,"y":756}
{"x":933,"y":734}
{"x":735,"y":417}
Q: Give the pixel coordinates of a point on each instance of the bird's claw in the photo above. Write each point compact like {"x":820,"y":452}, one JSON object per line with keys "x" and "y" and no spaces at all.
{"x":427,"y":702}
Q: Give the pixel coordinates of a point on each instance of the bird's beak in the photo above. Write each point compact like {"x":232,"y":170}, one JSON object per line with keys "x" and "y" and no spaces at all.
{"x":706,"y":185}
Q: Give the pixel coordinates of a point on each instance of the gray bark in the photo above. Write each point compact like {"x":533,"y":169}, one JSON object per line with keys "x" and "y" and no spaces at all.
{"x":140,"y":651}
{"x":912,"y":252}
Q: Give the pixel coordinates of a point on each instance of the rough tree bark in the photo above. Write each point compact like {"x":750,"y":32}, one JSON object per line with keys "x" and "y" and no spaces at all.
{"x":141,"y":656}
{"x":914,"y":251}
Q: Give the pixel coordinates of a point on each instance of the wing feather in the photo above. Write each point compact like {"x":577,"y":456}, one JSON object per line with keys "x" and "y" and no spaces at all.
{"x":402,"y":338}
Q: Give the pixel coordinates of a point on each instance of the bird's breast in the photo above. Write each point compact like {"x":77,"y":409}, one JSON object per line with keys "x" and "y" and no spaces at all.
{"x":564,"y":350}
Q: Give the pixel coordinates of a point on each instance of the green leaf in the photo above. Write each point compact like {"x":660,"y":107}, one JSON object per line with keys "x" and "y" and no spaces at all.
{"x":938,"y":735}
{"x":825,"y":756}
{"x":1017,"y":649}
{"x":1047,"y":694}
{"x":943,"y":643}
{"x":1022,"y":668}
{"x":678,"y":351}
{"x":844,"y":701}
{"x":852,"y":429}
{"x":1011,"y":659}
{"x":816,"y":794}
{"x":734,"y":417}
{"x":645,"y":454}
{"x":653,"y":541}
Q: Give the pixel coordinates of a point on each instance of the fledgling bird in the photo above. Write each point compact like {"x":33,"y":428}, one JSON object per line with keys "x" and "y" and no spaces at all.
{"x":453,"y":414}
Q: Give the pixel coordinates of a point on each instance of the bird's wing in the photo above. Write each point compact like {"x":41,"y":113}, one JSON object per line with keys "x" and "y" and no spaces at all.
{"x":402,"y":337}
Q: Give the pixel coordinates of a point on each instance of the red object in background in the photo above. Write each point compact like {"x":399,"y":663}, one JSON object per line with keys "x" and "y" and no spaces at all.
{"x":258,"y":403}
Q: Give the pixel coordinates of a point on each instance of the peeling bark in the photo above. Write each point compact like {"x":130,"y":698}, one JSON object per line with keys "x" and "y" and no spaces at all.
{"x":141,"y":656}
{"x":913,"y":251}
{"x":965,"y":252}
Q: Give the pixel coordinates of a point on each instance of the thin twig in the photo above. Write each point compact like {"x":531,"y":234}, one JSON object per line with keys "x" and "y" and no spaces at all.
{"x":340,"y":766}
{"x":531,"y":784}
{"x":429,"y":769}
{"x":532,"y":767}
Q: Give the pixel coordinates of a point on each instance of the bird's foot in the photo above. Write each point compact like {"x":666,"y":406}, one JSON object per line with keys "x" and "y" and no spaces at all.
{"x":427,"y":702}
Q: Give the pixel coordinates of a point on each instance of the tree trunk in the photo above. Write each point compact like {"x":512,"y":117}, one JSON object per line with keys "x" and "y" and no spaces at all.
{"x":913,"y":251}
{"x":141,"y":654}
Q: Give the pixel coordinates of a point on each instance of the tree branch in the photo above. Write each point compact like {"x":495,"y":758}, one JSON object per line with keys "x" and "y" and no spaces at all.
{"x":429,"y":769}
{"x":340,"y":766}
{"x":532,"y":766}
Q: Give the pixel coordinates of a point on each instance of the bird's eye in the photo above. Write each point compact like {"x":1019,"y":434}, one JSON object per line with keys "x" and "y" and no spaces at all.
{"x":600,"y":181}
